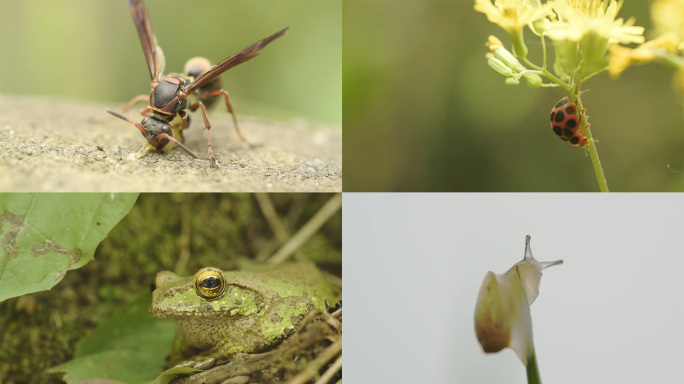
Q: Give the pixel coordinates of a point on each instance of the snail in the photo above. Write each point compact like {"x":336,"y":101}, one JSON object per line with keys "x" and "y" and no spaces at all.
{"x":502,"y":311}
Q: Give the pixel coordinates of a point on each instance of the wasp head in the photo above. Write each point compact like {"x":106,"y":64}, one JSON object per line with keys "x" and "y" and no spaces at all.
{"x":156,"y":132}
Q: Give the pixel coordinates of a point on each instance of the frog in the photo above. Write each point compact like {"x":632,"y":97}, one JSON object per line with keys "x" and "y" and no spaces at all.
{"x":222,"y":313}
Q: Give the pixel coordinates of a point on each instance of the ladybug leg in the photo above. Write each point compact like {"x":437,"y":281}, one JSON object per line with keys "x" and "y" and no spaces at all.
{"x":584,"y":110}
{"x":586,"y":146}
{"x":582,"y":114}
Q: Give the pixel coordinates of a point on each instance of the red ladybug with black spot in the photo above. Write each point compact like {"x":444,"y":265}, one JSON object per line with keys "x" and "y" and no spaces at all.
{"x":565,"y":123}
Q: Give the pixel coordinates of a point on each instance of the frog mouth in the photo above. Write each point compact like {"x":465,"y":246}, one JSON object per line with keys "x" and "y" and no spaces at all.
{"x":182,"y":301}
{"x":204,"y":309}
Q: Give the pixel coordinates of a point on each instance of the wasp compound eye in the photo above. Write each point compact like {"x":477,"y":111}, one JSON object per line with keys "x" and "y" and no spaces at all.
{"x":210,"y":283}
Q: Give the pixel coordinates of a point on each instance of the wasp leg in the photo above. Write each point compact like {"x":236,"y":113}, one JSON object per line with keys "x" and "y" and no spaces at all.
{"x":214,"y":164}
{"x":207,"y":95}
{"x":184,"y":119}
{"x":136,"y":100}
{"x":185,"y":122}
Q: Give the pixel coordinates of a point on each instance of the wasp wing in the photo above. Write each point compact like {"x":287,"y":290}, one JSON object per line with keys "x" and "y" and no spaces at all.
{"x":153,"y":53}
{"x":238,"y":58}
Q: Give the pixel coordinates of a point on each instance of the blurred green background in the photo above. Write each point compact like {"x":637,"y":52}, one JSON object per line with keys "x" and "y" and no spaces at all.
{"x":424,"y":112}
{"x":89,"y":49}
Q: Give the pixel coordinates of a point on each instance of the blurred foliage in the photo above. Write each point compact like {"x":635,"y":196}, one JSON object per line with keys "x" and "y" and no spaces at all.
{"x":124,"y":347}
{"x":40,"y":330}
{"x":90,"y":50}
{"x":424,"y":112}
{"x":46,"y":235}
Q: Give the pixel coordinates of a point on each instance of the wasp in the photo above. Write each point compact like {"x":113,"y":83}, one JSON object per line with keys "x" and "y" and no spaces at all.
{"x":168,"y":98}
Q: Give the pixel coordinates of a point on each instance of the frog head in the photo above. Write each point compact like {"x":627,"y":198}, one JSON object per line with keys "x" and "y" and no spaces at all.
{"x":209,"y":293}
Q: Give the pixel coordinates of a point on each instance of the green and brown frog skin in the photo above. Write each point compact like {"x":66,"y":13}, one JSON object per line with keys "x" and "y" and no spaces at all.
{"x":223,"y":313}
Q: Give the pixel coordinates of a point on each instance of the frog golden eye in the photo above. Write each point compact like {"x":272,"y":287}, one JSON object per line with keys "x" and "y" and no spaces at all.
{"x":210,"y":283}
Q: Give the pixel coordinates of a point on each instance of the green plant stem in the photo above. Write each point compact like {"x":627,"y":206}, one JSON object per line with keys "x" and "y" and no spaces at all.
{"x":308,"y":230}
{"x":548,"y":75}
{"x":671,"y":60}
{"x":589,"y":76}
{"x":593,"y":153}
{"x":533,"y":370}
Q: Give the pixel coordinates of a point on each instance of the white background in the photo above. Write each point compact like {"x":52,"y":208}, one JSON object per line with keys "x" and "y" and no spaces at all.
{"x":414,"y":263}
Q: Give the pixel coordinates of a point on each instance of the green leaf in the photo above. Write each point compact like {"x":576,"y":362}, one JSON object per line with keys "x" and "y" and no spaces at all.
{"x":42,"y":236}
{"x":175,"y":373}
{"x":129,"y":347}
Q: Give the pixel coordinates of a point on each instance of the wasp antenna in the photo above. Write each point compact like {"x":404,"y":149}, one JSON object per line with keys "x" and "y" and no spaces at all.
{"x":186,"y":149}
{"x":116,"y":114}
{"x":126,"y":119}
{"x":178,"y":143}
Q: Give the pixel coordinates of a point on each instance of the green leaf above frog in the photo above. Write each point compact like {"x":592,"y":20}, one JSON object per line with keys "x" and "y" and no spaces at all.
{"x":222,"y":313}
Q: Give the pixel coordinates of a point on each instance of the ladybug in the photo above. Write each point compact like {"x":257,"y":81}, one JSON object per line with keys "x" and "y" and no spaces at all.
{"x":565,"y":123}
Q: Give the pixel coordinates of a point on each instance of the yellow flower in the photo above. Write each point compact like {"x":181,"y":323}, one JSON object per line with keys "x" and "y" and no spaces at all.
{"x":512,"y":16}
{"x":668,"y":16}
{"x":622,"y":57}
{"x":593,"y":25}
{"x":577,"y":18}
{"x":502,"y":311}
{"x":503,"y":62}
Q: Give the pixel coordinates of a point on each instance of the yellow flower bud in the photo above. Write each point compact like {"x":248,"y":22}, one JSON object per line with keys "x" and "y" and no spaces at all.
{"x":532,"y":79}
{"x":499,"y":67}
{"x":511,"y":81}
{"x":494,"y":43}
{"x":505,"y":56}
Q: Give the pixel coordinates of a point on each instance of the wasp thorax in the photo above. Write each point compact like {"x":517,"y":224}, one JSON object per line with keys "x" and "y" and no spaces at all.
{"x":165,"y":92}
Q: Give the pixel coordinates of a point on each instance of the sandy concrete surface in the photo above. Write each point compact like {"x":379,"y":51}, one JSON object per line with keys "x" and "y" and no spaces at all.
{"x":53,"y":145}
